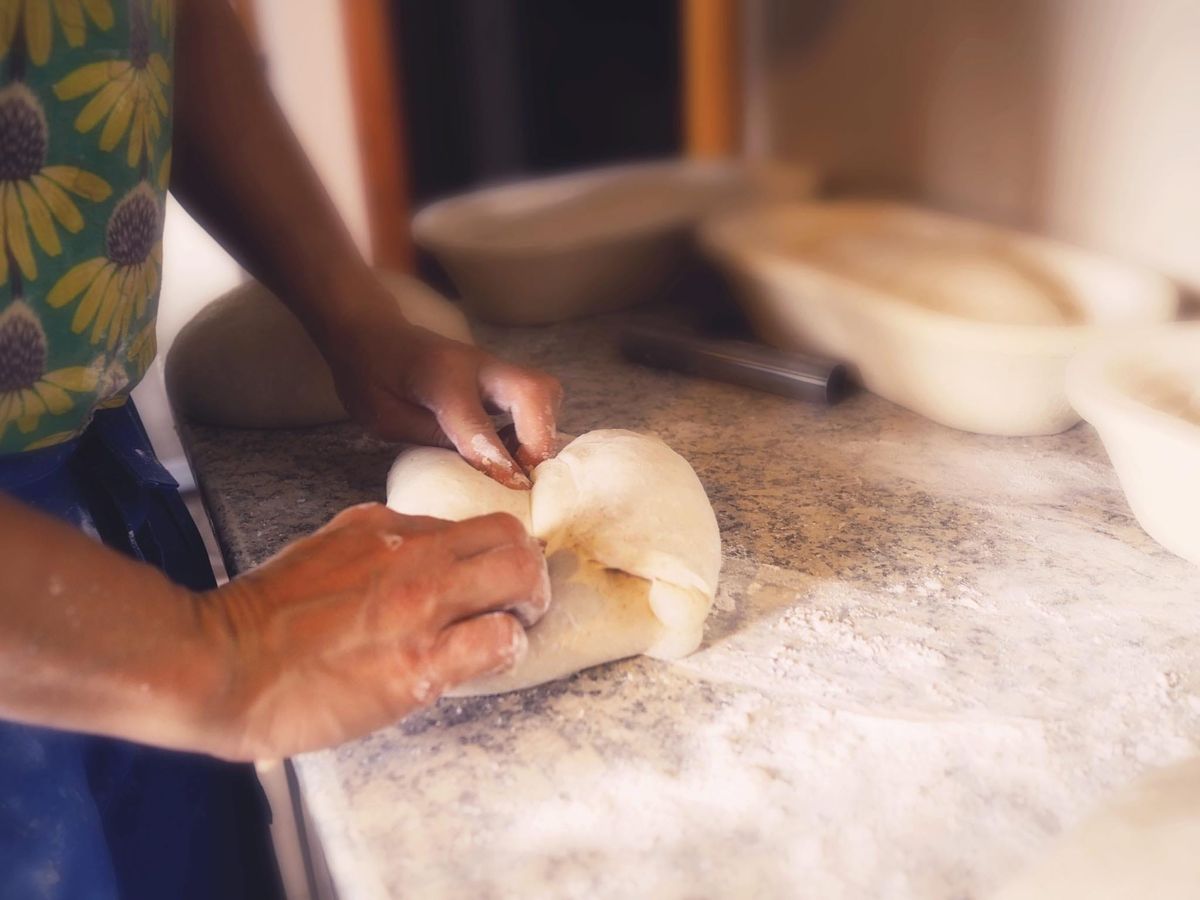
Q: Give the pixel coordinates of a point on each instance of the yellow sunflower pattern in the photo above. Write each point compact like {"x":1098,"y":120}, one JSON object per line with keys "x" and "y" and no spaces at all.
{"x":35,"y":197}
{"x":113,"y":288}
{"x":33,"y":21}
{"x":27,"y":390}
{"x":84,"y":163}
{"x":128,"y":96}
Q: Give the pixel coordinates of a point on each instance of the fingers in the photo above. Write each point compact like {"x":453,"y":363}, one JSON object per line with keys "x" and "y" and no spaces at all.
{"x":373,"y":515}
{"x":511,"y":578}
{"x":463,"y":419}
{"x":478,"y":565}
{"x":485,"y":645}
{"x":457,"y":384}
{"x":473,"y":536}
{"x":533,"y":398}
{"x":464,"y":538}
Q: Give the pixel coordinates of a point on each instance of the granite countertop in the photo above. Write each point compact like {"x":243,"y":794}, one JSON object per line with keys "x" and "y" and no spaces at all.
{"x":931,"y":652}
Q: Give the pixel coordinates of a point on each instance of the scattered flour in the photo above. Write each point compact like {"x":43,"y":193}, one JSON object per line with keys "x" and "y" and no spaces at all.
{"x":825,"y":742}
{"x":489,"y":454}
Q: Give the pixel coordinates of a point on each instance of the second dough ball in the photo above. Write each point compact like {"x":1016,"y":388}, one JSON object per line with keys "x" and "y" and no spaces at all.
{"x":245,"y":361}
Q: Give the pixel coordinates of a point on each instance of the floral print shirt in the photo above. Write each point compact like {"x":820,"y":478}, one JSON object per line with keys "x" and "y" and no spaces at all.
{"x":85,"y":155}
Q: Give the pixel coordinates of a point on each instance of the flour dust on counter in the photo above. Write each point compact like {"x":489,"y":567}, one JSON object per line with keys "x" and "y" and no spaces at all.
{"x":820,"y":736}
{"x":931,"y":653}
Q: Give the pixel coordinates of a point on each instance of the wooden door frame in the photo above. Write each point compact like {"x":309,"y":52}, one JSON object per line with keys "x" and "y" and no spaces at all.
{"x":710,"y":31}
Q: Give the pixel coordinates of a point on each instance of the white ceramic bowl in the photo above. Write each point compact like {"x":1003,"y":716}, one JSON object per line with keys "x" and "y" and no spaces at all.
{"x":967,"y":324}
{"x":590,"y":242}
{"x":1141,"y":391}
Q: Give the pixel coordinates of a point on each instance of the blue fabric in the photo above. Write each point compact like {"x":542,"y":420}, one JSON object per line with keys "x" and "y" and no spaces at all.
{"x":92,"y":817}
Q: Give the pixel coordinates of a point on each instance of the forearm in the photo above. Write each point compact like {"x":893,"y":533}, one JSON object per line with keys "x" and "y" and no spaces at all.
{"x":240,"y":171}
{"x":91,"y":641}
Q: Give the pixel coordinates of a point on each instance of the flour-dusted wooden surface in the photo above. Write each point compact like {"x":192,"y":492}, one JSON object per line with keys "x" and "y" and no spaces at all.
{"x":932,"y":651}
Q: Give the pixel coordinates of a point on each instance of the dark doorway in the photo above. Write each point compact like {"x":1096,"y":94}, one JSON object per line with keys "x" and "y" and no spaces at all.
{"x":495,"y":89}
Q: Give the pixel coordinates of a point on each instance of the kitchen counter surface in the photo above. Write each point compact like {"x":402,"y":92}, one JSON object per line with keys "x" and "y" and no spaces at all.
{"x":931,"y":652}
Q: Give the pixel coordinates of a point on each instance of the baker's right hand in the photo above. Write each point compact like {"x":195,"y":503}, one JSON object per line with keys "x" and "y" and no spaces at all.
{"x":365,"y":621}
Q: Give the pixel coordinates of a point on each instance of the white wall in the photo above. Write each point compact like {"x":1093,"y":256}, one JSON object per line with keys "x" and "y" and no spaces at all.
{"x":1077,"y":117}
{"x":306,"y":56}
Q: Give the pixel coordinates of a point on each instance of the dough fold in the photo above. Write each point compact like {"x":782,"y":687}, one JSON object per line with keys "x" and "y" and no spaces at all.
{"x":632,"y":543}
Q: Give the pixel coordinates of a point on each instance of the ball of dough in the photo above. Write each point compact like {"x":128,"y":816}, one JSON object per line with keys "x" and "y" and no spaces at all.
{"x":632,"y":543}
{"x":245,"y":361}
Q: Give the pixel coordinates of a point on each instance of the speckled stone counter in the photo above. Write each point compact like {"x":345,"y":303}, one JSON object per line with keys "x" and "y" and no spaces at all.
{"x":931,"y":652}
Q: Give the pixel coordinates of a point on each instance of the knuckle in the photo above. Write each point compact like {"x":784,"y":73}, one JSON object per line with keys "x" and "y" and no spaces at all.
{"x":532,"y":383}
{"x":551,"y":386}
{"x":360,"y":514}
{"x":509,"y":527}
{"x":449,"y":356}
{"x":422,"y":524}
{"x":367,"y":512}
{"x":527,"y":565}
{"x":415,"y":681}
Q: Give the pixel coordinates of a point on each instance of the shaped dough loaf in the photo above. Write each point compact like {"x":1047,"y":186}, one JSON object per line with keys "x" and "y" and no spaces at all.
{"x":245,"y":361}
{"x":632,"y":544}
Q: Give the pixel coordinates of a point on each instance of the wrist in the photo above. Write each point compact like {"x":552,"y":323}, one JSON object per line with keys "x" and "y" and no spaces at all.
{"x":361,"y":322}
{"x":341,"y":301}
{"x":209,"y":687}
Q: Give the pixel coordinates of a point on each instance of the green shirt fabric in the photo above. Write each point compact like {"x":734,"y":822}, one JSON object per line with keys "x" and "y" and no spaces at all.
{"x":85,"y":140}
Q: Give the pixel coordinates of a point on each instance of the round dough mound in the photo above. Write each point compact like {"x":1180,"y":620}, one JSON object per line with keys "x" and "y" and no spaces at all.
{"x":633,"y":547}
{"x":245,"y":361}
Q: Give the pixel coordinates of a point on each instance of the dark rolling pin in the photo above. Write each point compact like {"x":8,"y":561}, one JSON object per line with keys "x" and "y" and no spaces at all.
{"x":796,"y":375}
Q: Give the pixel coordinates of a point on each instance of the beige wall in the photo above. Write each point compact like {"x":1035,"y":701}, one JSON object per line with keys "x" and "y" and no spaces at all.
{"x":1080,"y":118}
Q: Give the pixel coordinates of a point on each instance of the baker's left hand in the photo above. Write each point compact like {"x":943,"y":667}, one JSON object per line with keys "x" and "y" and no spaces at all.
{"x":408,"y":384}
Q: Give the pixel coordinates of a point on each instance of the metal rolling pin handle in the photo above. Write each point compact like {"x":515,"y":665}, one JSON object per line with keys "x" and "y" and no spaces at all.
{"x":810,"y":378}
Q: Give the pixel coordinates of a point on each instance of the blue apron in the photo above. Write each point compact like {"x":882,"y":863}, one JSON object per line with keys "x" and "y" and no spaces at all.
{"x":93,"y":817}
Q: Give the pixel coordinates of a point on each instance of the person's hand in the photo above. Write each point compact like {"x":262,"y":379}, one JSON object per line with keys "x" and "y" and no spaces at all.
{"x":408,"y":384}
{"x":365,"y":621}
